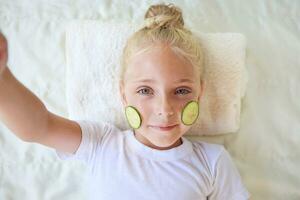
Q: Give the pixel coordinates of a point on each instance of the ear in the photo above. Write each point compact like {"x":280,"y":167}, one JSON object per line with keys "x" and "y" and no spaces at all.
{"x":201,"y":89}
{"x":122,"y":93}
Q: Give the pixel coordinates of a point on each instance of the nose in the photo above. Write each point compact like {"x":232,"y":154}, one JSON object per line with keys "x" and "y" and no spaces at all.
{"x":165,"y":107}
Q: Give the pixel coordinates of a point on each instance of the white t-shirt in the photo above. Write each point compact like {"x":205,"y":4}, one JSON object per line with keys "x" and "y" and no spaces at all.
{"x":121,"y":167}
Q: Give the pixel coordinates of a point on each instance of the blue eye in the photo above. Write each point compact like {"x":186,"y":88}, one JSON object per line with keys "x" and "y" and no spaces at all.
{"x":143,"y":89}
{"x":186,"y":91}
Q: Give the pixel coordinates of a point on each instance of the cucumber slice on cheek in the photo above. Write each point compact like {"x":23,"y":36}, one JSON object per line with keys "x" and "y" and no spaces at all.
{"x":190,"y":113}
{"x":133,"y":117}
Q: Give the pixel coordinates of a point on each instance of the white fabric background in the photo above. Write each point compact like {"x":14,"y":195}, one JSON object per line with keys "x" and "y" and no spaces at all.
{"x":265,"y":149}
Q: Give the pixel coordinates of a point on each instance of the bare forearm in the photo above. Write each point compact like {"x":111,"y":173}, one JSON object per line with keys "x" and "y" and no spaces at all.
{"x":20,"y":110}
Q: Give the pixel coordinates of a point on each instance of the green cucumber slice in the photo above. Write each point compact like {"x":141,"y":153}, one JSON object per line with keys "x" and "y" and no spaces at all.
{"x":190,"y":113}
{"x":133,"y":117}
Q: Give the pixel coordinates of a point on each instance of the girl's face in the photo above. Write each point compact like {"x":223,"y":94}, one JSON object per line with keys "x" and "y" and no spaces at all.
{"x":159,"y":84}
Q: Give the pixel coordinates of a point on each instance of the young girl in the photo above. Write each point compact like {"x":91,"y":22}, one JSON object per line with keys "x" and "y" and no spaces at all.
{"x":161,"y":83}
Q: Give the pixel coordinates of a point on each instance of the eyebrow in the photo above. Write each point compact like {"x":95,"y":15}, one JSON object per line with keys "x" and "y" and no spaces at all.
{"x":179,"y":81}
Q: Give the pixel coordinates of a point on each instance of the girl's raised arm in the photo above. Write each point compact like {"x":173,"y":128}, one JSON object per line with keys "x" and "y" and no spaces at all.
{"x":27,"y":117}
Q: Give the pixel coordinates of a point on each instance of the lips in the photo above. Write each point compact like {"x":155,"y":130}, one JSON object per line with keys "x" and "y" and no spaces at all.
{"x":164,"y":127}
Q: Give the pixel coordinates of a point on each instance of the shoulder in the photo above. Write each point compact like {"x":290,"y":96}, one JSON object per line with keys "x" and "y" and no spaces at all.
{"x":209,"y":151}
{"x":96,"y":135}
{"x":100,"y":128}
{"x":226,"y":180}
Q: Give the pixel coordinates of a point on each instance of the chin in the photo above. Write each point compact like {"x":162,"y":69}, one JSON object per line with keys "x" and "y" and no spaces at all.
{"x":162,"y":139}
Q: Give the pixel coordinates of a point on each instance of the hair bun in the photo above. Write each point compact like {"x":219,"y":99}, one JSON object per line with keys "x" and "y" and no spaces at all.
{"x":164,"y":16}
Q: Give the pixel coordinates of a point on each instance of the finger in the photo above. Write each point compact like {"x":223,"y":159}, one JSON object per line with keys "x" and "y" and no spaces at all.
{"x":3,"y":42}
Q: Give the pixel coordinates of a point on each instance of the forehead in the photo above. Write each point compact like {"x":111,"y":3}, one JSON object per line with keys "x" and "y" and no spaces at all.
{"x":160,"y":63}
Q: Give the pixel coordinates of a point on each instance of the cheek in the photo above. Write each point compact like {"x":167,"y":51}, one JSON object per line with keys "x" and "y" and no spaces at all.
{"x":146,"y":110}
{"x":141,"y":105}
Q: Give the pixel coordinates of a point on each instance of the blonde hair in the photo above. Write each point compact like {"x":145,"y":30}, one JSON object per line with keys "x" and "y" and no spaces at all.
{"x":164,"y":24}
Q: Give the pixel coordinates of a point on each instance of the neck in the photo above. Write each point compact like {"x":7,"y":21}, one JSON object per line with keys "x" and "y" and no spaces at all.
{"x":146,"y":142}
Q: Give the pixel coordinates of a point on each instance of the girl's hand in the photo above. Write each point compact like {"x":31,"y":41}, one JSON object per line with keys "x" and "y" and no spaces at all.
{"x":3,"y":53}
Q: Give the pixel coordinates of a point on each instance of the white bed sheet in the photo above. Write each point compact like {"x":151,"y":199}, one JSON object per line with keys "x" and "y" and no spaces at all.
{"x":265,"y":149}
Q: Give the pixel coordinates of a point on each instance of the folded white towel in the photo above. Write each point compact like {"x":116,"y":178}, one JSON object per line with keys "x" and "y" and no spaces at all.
{"x":93,"y":51}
